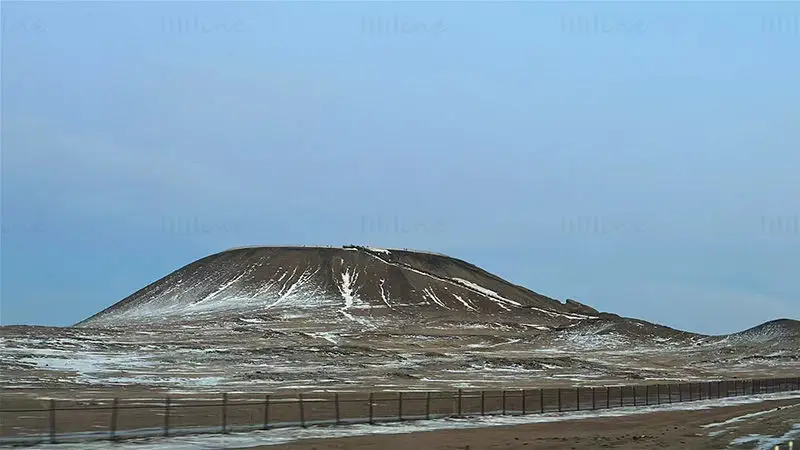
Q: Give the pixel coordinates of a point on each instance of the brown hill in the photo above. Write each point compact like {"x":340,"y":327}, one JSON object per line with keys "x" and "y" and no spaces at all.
{"x":354,"y":284}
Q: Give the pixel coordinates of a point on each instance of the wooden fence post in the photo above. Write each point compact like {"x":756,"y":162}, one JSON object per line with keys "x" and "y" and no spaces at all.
{"x":52,"y":421}
{"x":428,"y":405}
{"x":302,"y":410}
{"x":524,"y":409}
{"x":167,"y":402}
{"x":371,"y":412}
{"x":266,"y":412}
{"x":483,"y":402}
{"x":336,"y":407}
{"x":621,"y":397}
{"x":578,"y":398}
{"x":459,"y":403}
{"x":608,"y":397}
{"x":541,"y":399}
{"x":114,"y":412}
{"x":504,"y":402}
{"x":224,"y":412}
{"x":559,"y":399}
{"x":400,"y":406}
{"x":594,"y":401}
{"x":669,"y":393}
{"x":634,"y":395}
{"x":647,"y":395}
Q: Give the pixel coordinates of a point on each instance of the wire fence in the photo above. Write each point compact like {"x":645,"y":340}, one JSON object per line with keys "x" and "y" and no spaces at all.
{"x":64,"y":421}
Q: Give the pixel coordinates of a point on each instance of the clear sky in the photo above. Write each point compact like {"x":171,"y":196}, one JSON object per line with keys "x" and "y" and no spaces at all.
{"x":643,"y":158}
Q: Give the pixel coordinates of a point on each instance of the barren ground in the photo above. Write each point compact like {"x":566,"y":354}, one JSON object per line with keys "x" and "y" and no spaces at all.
{"x":673,"y":429}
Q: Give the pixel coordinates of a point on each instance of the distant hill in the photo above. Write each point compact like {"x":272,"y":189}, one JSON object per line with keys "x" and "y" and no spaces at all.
{"x":353,"y":283}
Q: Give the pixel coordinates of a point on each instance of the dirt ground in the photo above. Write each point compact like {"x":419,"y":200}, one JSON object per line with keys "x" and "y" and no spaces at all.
{"x":672,"y":429}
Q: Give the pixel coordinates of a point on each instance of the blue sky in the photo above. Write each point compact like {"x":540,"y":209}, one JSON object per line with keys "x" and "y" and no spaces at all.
{"x":639,"y":157}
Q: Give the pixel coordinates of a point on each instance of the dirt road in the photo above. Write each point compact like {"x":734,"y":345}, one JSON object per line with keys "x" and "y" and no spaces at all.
{"x":715,"y":428}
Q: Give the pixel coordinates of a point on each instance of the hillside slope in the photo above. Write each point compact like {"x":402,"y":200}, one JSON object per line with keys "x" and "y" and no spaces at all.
{"x":355,"y":284}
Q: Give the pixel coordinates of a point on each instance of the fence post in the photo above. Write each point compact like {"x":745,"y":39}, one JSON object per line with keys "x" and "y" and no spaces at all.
{"x":559,"y":399}
{"x":400,"y":406}
{"x":669,"y":393}
{"x":52,"y":421}
{"x":224,"y":412}
{"x":504,"y":402}
{"x":428,"y":405}
{"x":621,"y":397}
{"x":608,"y":397}
{"x":594,"y":401}
{"x":647,"y":395}
{"x":167,"y":402}
{"x":371,"y":412}
{"x":578,"y":398}
{"x":336,"y":407}
{"x":658,"y":393}
{"x":541,"y":399}
{"x":114,"y":412}
{"x":266,"y":411}
{"x":302,"y":410}
{"x":483,"y":402}
{"x":634,"y":395}
{"x":459,"y":403}
{"x":524,"y":408}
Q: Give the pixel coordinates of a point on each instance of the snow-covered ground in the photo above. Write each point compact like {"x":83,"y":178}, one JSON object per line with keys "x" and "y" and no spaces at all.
{"x":268,"y":353}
